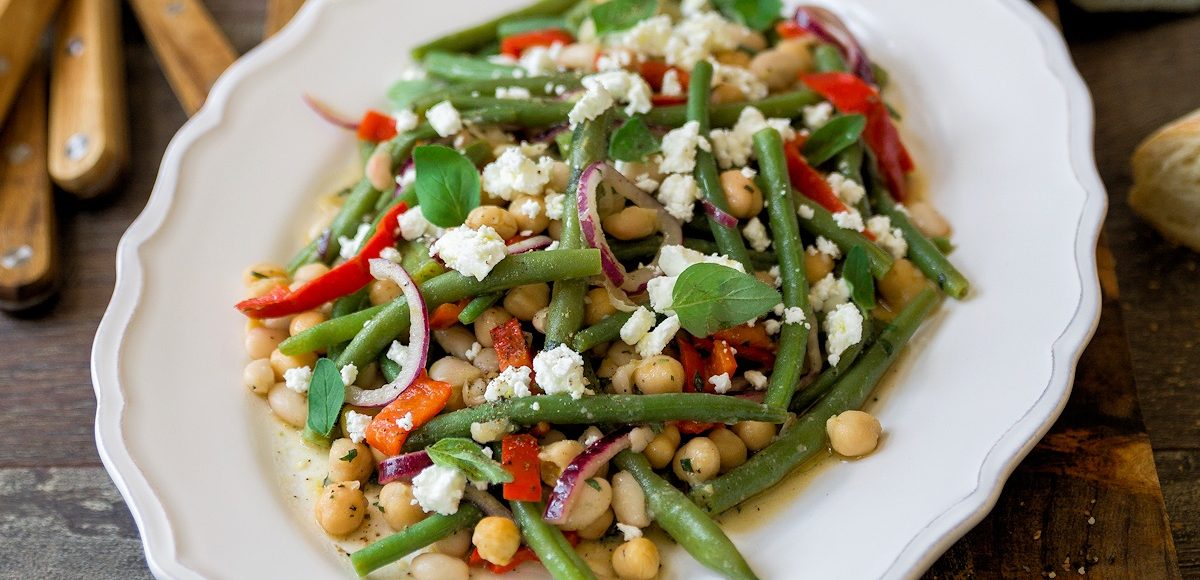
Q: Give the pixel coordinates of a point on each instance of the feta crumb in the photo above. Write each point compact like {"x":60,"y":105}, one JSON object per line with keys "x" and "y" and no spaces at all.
{"x":793,"y":315}
{"x":473,"y":351}
{"x":298,"y":379}
{"x":740,"y":78}
{"x":529,"y":208}
{"x":679,"y":148}
{"x":847,"y":190}
{"x":512,"y":173}
{"x":604,"y":89}
{"x":391,"y":254}
{"x":806,"y":212}
{"x":405,"y":422}
{"x":756,"y":234}
{"x":397,"y":353}
{"x":849,"y":220}
{"x":349,"y":246}
{"x":413,"y":225}
{"x":470,"y":252}
{"x":489,"y":431}
{"x":828,"y":293}
{"x":679,"y":193}
{"x":828,"y":248}
{"x":512,"y":93}
{"x":560,"y":370}
{"x":639,"y":438}
{"x":815,"y":116}
{"x":349,"y":374}
{"x":756,"y":380}
{"x":749,"y":172}
{"x":735,"y":147}
{"x":772,"y":326}
{"x":356,"y":425}
{"x":590,"y":435}
{"x":406,"y":120}
{"x":721,"y":383}
{"x":444,"y":119}
{"x":555,"y":203}
{"x":843,"y":329}
{"x":438,"y":489}
{"x":661,"y":291}
{"x":540,"y":60}
{"x":671,"y":86}
{"x":637,"y":326}
{"x":674,"y":259}
{"x":656,"y":340}
{"x":511,"y":383}
{"x":630,"y":532}
{"x":887,"y":237}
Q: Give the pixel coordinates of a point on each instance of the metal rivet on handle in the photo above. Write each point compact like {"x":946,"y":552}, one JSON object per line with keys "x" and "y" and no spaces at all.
{"x":75,"y":46}
{"x":77,"y":146}
{"x":16,"y":257}
{"x":19,"y":153}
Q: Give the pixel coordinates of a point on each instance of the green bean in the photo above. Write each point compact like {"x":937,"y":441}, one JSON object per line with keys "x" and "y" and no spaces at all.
{"x":539,"y":85}
{"x":463,"y":67}
{"x":760,"y":260}
{"x":343,"y":306}
{"x":390,"y":368}
{"x":647,"y":247}
{"x":849,"y":164}
{"x":561,"y":409}
{"x":686,"y":523}
{"x":413,"y":538}
{"x":827,"y":58}
{"x":566,"y":298}
{"x":786,"y":105}
{"x":526,"y":113}
{"x":604,"y":331}
{"x":789,"y":248}
{"x":806,"y":438}
{"x":812,"y":393}
{"x":415,"y":259}
{"x":481,"y":34}
{"x":729,"y":238}
{"x":529,"y":268}
{"x":822,"y":224}
{"x":549,"y":543}
{"x":511,"y":26}
{"x":922,"y":252}
{"x":476,"y":307}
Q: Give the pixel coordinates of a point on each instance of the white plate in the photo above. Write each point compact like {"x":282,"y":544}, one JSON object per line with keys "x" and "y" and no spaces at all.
{"x":1000,"y":123}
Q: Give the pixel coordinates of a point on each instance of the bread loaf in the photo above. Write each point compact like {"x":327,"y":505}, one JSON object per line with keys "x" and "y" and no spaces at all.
{"x":1166,"y":181}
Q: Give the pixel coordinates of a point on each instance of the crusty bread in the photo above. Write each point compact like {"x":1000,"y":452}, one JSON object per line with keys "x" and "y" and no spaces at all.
{"x":1166,"y":181}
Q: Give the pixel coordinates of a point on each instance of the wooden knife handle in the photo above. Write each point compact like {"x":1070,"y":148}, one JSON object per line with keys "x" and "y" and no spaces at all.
{"x":21,"y":25}
{"x":189,"y":45}
{"x":89,"y":141}
{"x":279,"y":13}
{"x":28,"y":264}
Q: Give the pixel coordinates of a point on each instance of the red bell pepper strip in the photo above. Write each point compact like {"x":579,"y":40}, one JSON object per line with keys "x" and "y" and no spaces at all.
{"x":851,"y":94}
{"x":518,"y":43}
{"x":340,"y":281}
{"x":690,"y":427}
{"x":376,"y":127}
{"x":667,"y":100}
{"x":509,"y":341}
{"x":745,"y":335}
{"x":722,"y":361}
{"x":446,"y":315}
{"x":519,"y":456}
{"x":809,"y":181}
{"x":789,"y":29}
{"x":654,"y":71}
{"x":693,"y":366}
{"x":425,"y":398}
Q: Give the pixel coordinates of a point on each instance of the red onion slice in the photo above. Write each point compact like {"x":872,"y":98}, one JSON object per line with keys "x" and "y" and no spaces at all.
{"x":825,"y":25}
{"x":584,"y":466}
{"x":529,"y":245}
{"x":718,"y":215}
{"x":418,"y":340}
{"x":327,"y":113}
{"x":403,"y":467}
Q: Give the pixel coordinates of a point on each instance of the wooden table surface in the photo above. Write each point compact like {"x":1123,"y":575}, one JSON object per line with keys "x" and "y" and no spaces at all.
{"x":1088,"y":500}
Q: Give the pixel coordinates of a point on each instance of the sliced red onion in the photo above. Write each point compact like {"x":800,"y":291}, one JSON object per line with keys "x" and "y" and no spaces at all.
{"x":718,"y":215}
{"x":403,"y":467}
{"x":418,"y":340}
{"x":328,"y":114}
{"x":486,"y":503}
{"x":529,"y":245}
{"x":825,"y":25}
{"x":583,"y":467}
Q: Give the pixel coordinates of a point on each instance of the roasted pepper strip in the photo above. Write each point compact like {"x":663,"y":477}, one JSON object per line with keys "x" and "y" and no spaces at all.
{"x":516,"y":44}
{"x":722,"y":361}
{"x":344,"y":279}
{"x":376,"y":127}
{"x":446,"y":315}
{"x":509,"y":341}
{"x":519,"y":456}
{"x":809,"y":181}
{"x":693,"y":365}
{"x":424,"y":399}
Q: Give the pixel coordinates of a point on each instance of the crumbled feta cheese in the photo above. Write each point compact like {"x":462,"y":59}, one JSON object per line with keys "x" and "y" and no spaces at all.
{"x":828,"y":292}
{"x":391,"y":254}
{"x":602,"y":90}
{"x":639,"y":438}
{"x":592,"y":104}
{"x":413,"y":225}
{"x":356,"y":425}
{"x":815,"y":116}
{"x":887,"y":237}
{"x":412,"y":73}
{"x":721,"y":383}
{"x":438,"y":489}
{"x":560,"y":370}
{"x":793,"y":315}
{"x":397,"y":353}
{"x":473,"y":351}
{"x":772,"y":326}
{"x":489,"y":431}
{"x":444,"y":119}
{"x":629,"y":531}
{"x":843,"y":329}
{"x":406,"y":120}
{"x":349,"y":246}
{"x":698,"y":36}
{"x":847,"y":190}
{"x":298,"y":379}
{"x":693,"y":7}
{"x":349,"y":374}
{"x":656,"y":340}
{"x":673,"y":260}
{"x":756,"y":234}
{"x":776,"y":275}
{"x":756,"y":380}
{"x":590,"y":435}
{"x":511,"y":383}
{"x":614,"y":60}
{"x":824,"y":246}
{"x":735,"y":147}
{"x":650,"y":36}
{"x":540,"y":60}
{"x":405,"y":422}
{"x":529,"y":208}
{"x":555,"y":204}
{"x":513,"y":173}
{"x":678,"y":194}
{"x":849,"y":220}
{"x":470,"y":252}
{"x":741,"y":79}
{"x":806,"y":212}
{"x":512,"y":93}
{"x":749,"y":172}
{"x":679,"y":148}
{"x":671,"y":86}
{"x":637,"y":326}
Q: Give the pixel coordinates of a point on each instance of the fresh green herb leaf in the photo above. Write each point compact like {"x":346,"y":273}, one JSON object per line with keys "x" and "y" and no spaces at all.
{"x":326,"y":393}
{"x":350,"y":456}
{"x":711,"y":297}
{"x":633,"y":141}
{"x":617,"y":15}
{"x":447,"y":185}
{"x":756,"y":14}
{"x":593,"y":484}
{"x":857,"y":273}
{"x":403,"y":94}
{"x":466,"y":456}
{"x":479,"y":152}
{"x":834,"y":136}
{"x":686,"y":465}
{"x":517,"y":26}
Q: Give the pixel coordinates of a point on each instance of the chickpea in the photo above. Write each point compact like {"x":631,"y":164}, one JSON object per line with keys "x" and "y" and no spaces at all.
{"x":456,"y":544}
{"x":472,"y":393}
{"x":488,"y":361}
{"x":743,"y":195}
{"x":730,"y":447}
{"x":593,"y":499}
{"x":259,"y":376}
{"x":779,"y":68}
{"x":636,"y":559}
{"x":629,"y":500}
{"x":598,"y":557}
{"x":754,"y":41}
{"x":455,"y":371}
{"x":597,"y":306}
{"x":577,"y":56}
{"x":497,"y":218}
{"x":539,"y":320}
{"x":350,"y":461}
{"x":596,"y":529}
{"x":755,"y":434}
{"x":901,"y":284}
{"x":622,"y":380}
{"x":341,"y":508}
{"x":927,"y":218}
{"x":497,"y":539}
{"x":309,"y":272}
{"x":264,"y":286}
{"x":281,"y":323}
{"x":383,"y":291}
{"x":552,"y":436}
{"x":733,"y":57}
{"x":456,"y":340}
{"x":800,"y":48}
{"x":262,"y":271}
{"x":661,"y":449}
{"x":288,"y":405}
{"x":305,"y":321}
{"x":554,"y":230}
{"x":727,"y":93}
{"x":519,"y":208}
{"x":817,"y":266}
{"x":524,"y":302}
{"x":491,"y":318}
{"x":556,"y":456}
{"x":697,"y":461}
{"x":853,"y":433}
{"x":260,"y":341}
{"x":631,"y":223}
{"x":560,"y":176}
{"x":282,"y":362}
{"x":659,"y":374}
{"x":435,"y":566}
